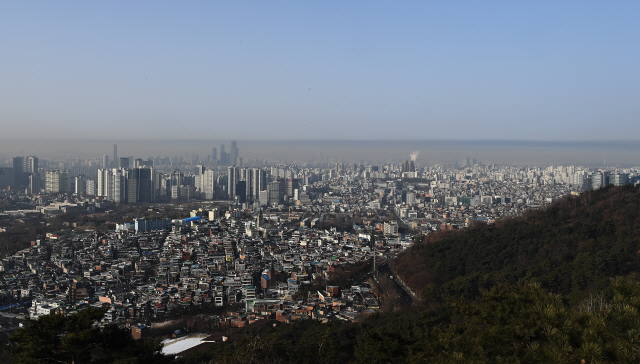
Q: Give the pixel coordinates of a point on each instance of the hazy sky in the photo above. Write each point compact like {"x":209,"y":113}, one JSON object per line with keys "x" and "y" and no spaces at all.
{"x":536,"y":70}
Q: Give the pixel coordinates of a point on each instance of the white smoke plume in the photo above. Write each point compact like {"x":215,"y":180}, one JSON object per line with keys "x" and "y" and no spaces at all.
{"x":414,"y":155}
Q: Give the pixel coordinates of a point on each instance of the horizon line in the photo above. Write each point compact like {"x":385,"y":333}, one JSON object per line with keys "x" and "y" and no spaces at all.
{"x":333,"y":140}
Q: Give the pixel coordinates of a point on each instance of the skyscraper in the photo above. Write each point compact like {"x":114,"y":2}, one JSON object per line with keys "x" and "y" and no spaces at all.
{"x":208,"y":184}
{"x":115,"y":155}
{"x":117,"y":186}
{"x":234,"y":153}
{"x":232,"y":180}
{"x":31,"y":164}
{"x":102,"y":182}
{"x":275,"y":192}
{"x":81,"y":186}
{"x":263,"y":198}
{"x":34,"y":184}
{"x":90,"y":188}
{"x":112,"y":184}
{"x":18,"y":164}
{"x":247,"y":176}
{"x":241,"y":191}
{"x":259,"y":182}
{"x":140,"y":185}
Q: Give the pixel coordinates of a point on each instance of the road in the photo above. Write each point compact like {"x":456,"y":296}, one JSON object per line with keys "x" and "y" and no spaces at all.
{"x":393,"y":294}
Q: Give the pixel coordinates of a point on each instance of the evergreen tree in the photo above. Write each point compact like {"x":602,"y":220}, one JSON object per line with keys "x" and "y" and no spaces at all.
{"x":76,"y":339}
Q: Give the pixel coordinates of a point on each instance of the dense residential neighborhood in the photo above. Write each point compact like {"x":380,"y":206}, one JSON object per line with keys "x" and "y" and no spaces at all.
{"x":244,"y":245}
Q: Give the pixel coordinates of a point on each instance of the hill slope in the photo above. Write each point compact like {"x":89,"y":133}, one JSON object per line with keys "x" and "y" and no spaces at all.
{"x":571,"y":247}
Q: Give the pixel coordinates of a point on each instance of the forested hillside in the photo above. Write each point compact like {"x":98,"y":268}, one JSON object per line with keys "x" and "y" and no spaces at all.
{"x":507,"y":324}
{"x":571,"y":247}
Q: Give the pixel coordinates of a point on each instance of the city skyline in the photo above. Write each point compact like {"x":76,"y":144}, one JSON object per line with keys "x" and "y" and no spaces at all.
{"x":348,"y":71}
{"x":512,"y":152}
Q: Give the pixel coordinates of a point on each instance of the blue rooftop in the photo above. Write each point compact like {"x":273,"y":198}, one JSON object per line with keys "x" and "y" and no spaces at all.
{"x":189,"y":219}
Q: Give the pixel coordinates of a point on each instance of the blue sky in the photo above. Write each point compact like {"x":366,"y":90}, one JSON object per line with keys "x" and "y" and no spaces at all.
{"x":557,"y":70}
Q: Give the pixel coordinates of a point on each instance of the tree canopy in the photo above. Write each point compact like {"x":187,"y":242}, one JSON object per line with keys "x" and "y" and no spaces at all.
{"x":77,"y":339}
{"x":571,"y":247}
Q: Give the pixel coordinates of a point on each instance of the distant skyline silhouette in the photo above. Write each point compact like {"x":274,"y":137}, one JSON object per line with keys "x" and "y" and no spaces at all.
{"x":511,"y":152}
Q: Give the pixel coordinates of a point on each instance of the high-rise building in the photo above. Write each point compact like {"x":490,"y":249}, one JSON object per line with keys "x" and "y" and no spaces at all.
{"x":105,"y":161}
{"x":90,"y":187}
{"x":599,"y":180}
{"x":115,"y":155}
{"x":81,"y":186}
{"x":214,"y":155}
{"x":30,"y":165}
{"x":232,"y":180}
{"x":18,"y":165}
{"x":275,"y":193}
{"x":117,"y":186}
{"x":241,"y":191}
{"x":263,"y":197}
{"x":140,"y":185}
{"x":177,"y":178}
{"x":292,"y":184}
{"x":101,"y":190}
{"x":57,"y":181}
{"x":234,"y":153}
{"x":619,"y":179}
{"x":223,"y":156}
{"x":124,"y":162}
{"x":34,"y":184}
{"x":23,"y":167}
{"x":159,"y":184}
{"x":247,"y":177}
{"x":208,"y":186}
{"x":259,"y":182}
{"x":112,"y":184}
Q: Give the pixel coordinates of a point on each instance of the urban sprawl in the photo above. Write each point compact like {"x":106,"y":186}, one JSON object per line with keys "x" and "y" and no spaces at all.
{"x":246,"y":235}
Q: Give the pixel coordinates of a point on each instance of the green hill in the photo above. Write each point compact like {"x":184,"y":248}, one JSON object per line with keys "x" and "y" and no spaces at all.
{"x":571,"y":247}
